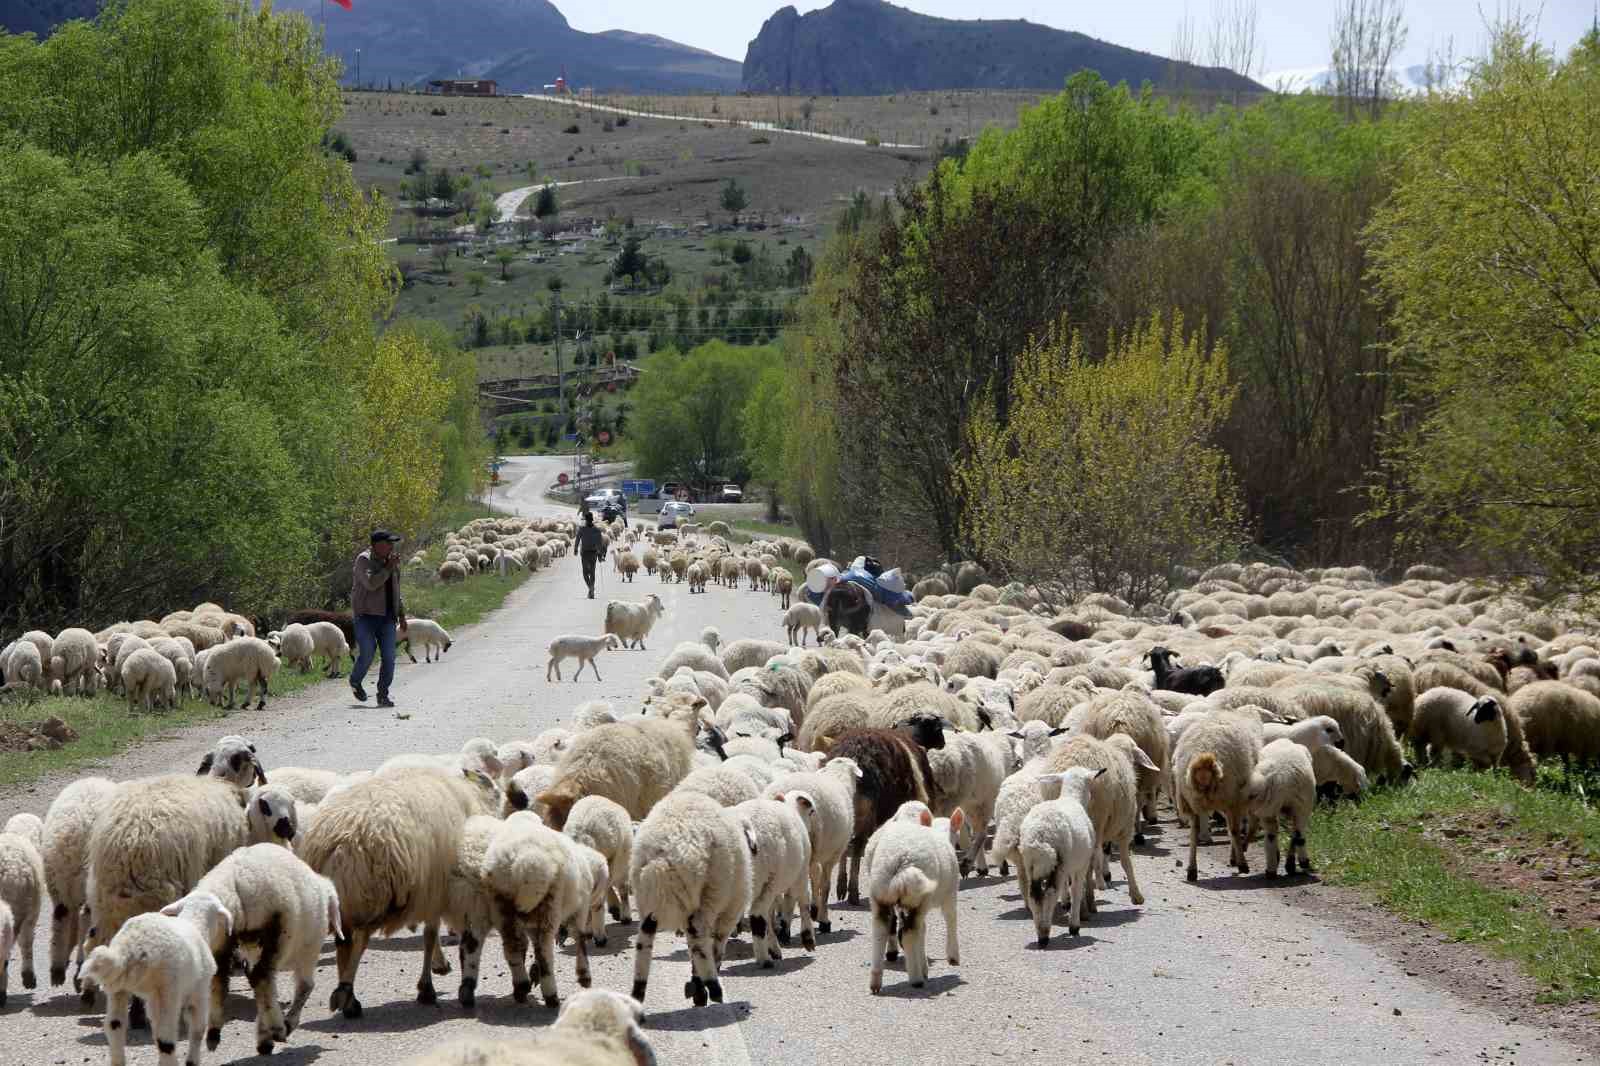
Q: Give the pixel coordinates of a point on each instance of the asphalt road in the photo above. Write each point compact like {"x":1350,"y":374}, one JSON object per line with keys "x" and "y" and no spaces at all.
{"x":1231,"y":970}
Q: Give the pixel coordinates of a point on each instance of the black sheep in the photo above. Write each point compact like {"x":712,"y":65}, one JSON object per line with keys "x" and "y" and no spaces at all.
{"x":1193,"y":680}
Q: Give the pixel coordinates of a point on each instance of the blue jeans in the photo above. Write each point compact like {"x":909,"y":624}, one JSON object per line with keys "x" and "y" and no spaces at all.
{"x":374,"y":632}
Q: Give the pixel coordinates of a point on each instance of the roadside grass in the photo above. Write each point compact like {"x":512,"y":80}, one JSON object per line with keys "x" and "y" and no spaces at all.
{"x":106,"y":728}
{"x":752,"y":526}
{"x":1391,"y":847}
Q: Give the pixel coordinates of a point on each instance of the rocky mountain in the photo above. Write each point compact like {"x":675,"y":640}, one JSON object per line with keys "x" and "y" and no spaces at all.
{"x":869,"y":47}
{"x":523,"y":44}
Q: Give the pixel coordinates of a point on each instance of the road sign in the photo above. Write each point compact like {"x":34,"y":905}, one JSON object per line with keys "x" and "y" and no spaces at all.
{"x":571,"y":438}
{"x":562,"y":480}
{"x":642,"y":487}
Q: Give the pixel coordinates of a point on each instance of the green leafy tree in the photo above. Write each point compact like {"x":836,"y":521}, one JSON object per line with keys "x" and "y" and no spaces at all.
{"x":1490,"y":249}
{"x":734,"y":198}
{"x":762,"y":423}
{"x":630,"y":261}
{"x":505,"y":257}
{"x":687,"y":412}
{"x":476,"y":279}
{"x":1078,"y":489}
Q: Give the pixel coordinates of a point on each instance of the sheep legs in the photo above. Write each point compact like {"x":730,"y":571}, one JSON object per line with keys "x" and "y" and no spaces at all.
{"x":544,"y":958}
{"x":1297,"y":847}
{"x":430,"y":947}
{"x":219,"y":992}
{"x":1237,"y":842}
{"x":164,"y":1012}
{"x":1125,"y":849}
{"x":914,"y":939}
{"x":516,"y":950}
{"x":349,"y":954}
{"x":471,"y":953}
{"x":821,"y":875}
{"x":644,"y":948}
{"x":1194,"y":848}
{"x":25,"y":933}
{"x":304,"y":981}
{"x":199,"y":1010}
{"x":1075,"y":891}
{"x":63,"y":935}
{"x":1270,"y":849}
{"x":882,"y":918}
{"x":116,"y":1025}
{"x":703,"y":940}
{"x":952,"y":950}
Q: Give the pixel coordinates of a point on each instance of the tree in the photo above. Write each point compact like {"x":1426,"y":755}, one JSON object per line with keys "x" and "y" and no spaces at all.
{"x":440,"y":250}
{"x":629,"y":262}
{"x":546,"y":205}
{"x":734,"y":198}
{"x":1078,"y":489}
{"x":687,"y":411}
{"x":505,"y":257}
{"x":762,"y":424}
{"x":742,"y":253}
{"x":1232,"y":42}
{"x":1366,"y":37}
{"x":799,"y":268}
{"x":1491,"y":254}
{"x":476,"y":279}
{"x":444,"y":186}
{"x":721,"y":249}
{"x":525,"y":229}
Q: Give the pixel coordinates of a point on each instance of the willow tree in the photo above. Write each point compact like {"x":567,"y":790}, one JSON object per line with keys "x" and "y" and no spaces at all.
{"x":1104,"y":477}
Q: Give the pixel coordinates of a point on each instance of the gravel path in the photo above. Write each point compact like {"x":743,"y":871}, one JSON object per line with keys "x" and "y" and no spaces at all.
{"x":1230,"y":970}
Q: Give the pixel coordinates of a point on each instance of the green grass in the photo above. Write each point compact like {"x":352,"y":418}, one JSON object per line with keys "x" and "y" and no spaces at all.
{"x":767,"y":529}
{"x":1378,"y":847}
{"x":105,"y":727}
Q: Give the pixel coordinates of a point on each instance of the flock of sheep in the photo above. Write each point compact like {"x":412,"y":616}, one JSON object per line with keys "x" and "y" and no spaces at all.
{"x":756,"y":781}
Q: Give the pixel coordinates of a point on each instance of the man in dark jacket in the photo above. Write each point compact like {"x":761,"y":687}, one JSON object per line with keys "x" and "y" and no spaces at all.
{"x":591,"y":547}
{"x":377,"y":607}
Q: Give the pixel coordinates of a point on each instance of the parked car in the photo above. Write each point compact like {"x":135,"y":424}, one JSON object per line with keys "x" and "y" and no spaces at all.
{"x":674,"y":513}
{"x":600,"y":498}
{"x":732,"y":494}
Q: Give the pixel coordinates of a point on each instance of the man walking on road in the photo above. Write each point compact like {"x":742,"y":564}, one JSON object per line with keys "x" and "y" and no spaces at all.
{"x":591,"y":547}
{"x":377,"y":606}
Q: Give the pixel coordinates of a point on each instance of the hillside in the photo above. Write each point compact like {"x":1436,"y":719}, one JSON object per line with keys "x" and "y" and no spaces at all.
{"x":868,"y":47}
{"x":40,"y":16}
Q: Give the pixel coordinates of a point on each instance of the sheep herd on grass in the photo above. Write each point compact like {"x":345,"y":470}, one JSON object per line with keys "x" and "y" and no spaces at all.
{"x":756,"y":780}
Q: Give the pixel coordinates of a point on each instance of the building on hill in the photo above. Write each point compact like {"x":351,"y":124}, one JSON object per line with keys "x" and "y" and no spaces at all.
{"x":464,"y":86}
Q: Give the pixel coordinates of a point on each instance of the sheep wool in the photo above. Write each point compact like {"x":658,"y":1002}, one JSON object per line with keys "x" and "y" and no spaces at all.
{"x":598,"y":823}
{"x":535,"y":872}
{"x":64,"y":846}
{"x":913,"y":867}
{"x":634,"y":764}
{"x":1212,"y":764}
{"x":690,"y":872}
{"x":22,"y":889}
{"x":1056,"y":845}
{"x":1283,"y":785}
{"x":1447,"y":720}
{"x":780,"y":865}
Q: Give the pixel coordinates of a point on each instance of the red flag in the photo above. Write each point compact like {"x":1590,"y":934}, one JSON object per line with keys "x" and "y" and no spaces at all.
{"x":344,"y":4}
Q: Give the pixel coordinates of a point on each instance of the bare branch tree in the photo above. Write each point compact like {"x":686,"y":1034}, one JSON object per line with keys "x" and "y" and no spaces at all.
{"x":1233,"y":41}
{"x":1441,"y":70}
{"x":1185,"y":48}
{"x":1366,"y":36}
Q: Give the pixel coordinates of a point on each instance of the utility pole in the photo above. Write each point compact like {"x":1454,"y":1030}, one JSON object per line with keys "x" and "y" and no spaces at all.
{"x":561,"y":392}
{"x":358,"y":68}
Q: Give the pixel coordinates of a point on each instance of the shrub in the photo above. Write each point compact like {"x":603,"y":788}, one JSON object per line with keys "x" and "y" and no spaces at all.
{"x":572,"y":129}
{"x":1103,"y":476}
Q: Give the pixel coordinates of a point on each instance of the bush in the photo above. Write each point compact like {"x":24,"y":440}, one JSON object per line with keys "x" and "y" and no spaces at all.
{"x":572,"y":129}
{"x":1103,"y":476}
{"x":622,"y":120}
{"x":437,"y":112}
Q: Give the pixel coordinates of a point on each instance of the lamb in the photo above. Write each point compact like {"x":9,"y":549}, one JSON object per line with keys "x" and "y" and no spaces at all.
{"x":387,"y":843}
{"x":149,"y":678}
{"x":1057,"y":849}
{"x":780,"y":864}
{"x":743,"y":653}
{"x":592,"y":713}
{"x":275,"y":817}
{"x":295,"y":646}
{"x":22,"y":887}
{"x":799,"y":618}
{"x":24,"y":664}
{"x":632,"y":763}
{"x":1113,"y":801}
{"x":968,"y":772}
{"x":1130,"y":713}
{"x":894,"y":769}
{"x":73,"y":656}
{"x":234,"y":760}
{"x":246,"y":659}
{"x":30,"y":826}
{"x":167,"y":962}
{"x":1283,"y":785}
{"x":1212,"y":764}
{"x":1334,"y":767}
{"x":690,"y":872}
{"x":429,"y":635}
{"x":728,"y":787}
{"x":1558,"y":718}
{"x":328,"y":640}
{"x":535,"y":874}
{"x":283,"y":909}
{"x":783,"y":588}
{"x":832,"y":790}
{"x":632,"y":622}
{"x":584,"y":649}
{"x":64,"y":846}
{"x":597,"y":1027}
{"x":696,"y":655}
{"x":1448,"y":720}
{"x":598,"y":823}
{"x":913,"y":867}
{"x":451,"y":571}
{"x":697,"y":575}
{"x":1368,"y":732}
{"x":152,"y":841}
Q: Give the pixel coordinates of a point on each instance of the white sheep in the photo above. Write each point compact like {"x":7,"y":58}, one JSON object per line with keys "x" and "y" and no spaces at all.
{"x":969,"y":771}
{"x":328,"y":640}
{"x":728,"y":787}
{"x":780,"y":865}
{"x":275,"y":817}
{"x":1333,"y":766}
{"x":1448,"y":720}
{"x":833,"y":791}
{"x":73,"y":656}
{"x":634,"y":763}
{"x":801,"y":617}
{"x":697,"y":655}
{"x":387,"y":844}
{"x":279,"y":909}
{"x":421,"y":632}
{"x":584,"y":649}
{"x":1212,"y":764}
{"x":603,"y":825}
{"x":632,"y":622}
{"x":245,"y":659}
{"x":597,"y":1027}
{"x":690,"y":872}
{"x":592,"y":713}
{"x":150,"y":679}
{"x":22,"y":889}
{"x":233,"y":759}
{"x":65,"y":848}
{"x":167,"y":962}
{"x":535,"y":873}
{"x":1057,"y":849}
{"x":912,"y":865}
{"x":295,"y":646}
{"x":1283,"y":785}
{"x":26,"y":825}
{"x":24,"y":663}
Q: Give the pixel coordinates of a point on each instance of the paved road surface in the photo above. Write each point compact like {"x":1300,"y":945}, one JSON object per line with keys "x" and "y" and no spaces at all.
{"x":741,"y":123}
{"x":1231,"y":970}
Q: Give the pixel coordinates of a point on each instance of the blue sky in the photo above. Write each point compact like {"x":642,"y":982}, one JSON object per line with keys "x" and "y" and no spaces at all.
{"x":1293,"y":33}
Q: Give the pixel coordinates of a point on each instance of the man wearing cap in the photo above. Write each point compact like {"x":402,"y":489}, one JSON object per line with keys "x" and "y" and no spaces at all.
{"x":376,"y":603}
